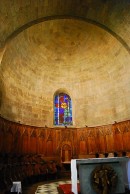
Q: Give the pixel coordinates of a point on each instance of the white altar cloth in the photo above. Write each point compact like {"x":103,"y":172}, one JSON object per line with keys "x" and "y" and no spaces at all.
{"x":74,"y":176}
{"x":16,"y":187}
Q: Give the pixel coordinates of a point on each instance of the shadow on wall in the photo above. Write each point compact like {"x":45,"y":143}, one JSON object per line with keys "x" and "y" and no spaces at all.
{"x":3,"y":112}
{"x":4,"y":147}
{"x":0,"y":99}
{"x":0,"y":94}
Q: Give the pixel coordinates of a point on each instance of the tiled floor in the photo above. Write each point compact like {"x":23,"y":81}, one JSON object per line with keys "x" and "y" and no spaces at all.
{"x":44,"y":187}
{"x":50,"y":188}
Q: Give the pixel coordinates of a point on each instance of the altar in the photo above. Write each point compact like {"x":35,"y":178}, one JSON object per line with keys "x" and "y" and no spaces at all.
{"x":100,"y":175}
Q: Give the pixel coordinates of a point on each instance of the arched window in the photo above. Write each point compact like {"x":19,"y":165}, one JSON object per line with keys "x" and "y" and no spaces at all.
{"x":62,"y":109}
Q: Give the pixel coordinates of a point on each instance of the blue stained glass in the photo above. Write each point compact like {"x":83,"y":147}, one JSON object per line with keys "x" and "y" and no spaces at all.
{"x":62,"y":109}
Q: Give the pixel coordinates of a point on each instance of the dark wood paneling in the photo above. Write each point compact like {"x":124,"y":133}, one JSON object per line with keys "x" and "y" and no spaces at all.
{"x":22,"y":139}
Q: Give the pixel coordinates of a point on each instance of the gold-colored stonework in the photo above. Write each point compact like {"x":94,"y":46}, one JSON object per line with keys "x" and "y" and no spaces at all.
{"x":104,"y":179}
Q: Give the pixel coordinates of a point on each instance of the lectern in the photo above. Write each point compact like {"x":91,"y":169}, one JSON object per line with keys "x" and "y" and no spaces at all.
{"x":100,"y":175}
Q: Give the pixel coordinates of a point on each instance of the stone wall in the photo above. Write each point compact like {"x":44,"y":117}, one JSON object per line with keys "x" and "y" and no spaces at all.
{"x":91,"y":65}
{"x":79,"y":47}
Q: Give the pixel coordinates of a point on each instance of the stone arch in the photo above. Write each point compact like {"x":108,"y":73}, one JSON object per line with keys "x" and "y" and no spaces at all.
{"x":39,"y":20}
{"x":66,"y":153}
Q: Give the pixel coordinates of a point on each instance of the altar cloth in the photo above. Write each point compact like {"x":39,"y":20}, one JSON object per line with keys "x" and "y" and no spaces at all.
{"x":17,"y":188}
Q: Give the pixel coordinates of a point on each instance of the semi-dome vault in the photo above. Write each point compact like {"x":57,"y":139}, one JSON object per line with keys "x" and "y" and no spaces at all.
{"x":80,"y":46}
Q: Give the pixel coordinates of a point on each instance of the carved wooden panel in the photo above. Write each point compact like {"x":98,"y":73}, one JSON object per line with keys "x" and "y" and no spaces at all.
{"x":66,"y":135}
{"x":126,"y":136}
{"x":8,"y":140}
{"x":101,"y":140}
{"x":109,"y":138}
{"x":74,"y":143}
{"x":33,"y":141}
{"x":91,"y":139}
{"x":82,"y":142}
{"x":41,"y":141}
{"x":49,"y":143}
{"x":21,"y":139}
{"x":25,"y":141}
{"x":58,"y":142}
{"x":82,"y":147}
{"x":118,"y":137}
{"x":49,"y":148}
{"x":18,"y":140}
{"x":66,"y":153}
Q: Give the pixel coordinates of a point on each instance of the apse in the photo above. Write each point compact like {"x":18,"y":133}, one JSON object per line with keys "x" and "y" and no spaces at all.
{"x":83,"y":58}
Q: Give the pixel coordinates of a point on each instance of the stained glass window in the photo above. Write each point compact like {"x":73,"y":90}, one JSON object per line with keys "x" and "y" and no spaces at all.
{"x":62,"y":109}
